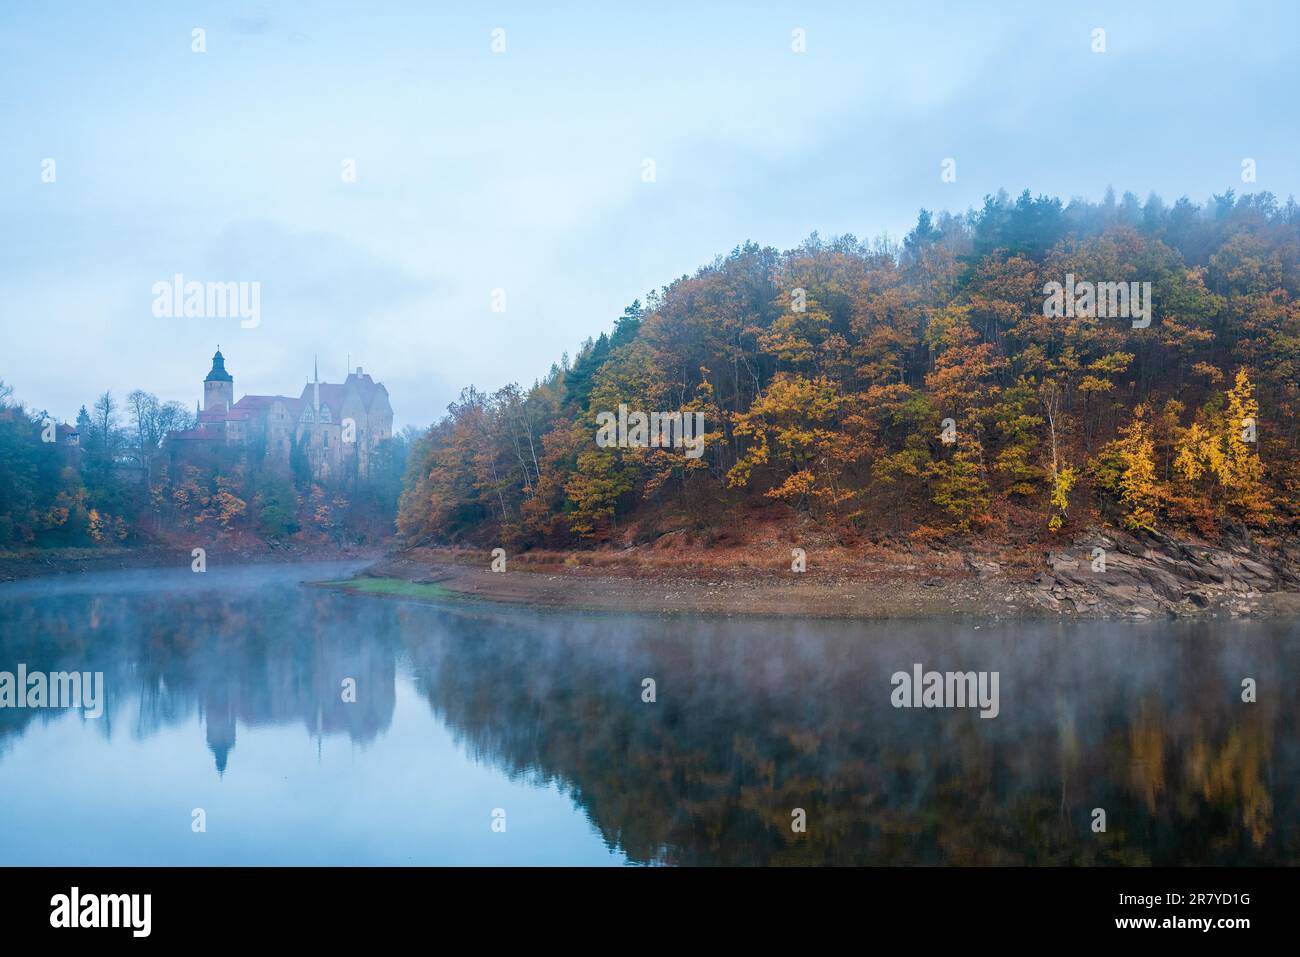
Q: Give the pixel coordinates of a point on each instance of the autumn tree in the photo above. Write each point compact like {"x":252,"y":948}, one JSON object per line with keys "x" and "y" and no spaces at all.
{"x":1126,"y":468}
{"x":826,"y":373}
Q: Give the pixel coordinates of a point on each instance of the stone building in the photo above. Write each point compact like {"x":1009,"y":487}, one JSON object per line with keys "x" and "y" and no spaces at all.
{"x":336,"y":426}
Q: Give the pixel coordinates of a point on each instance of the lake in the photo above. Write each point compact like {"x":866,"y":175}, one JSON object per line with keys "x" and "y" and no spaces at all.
{"x":489,"y":735}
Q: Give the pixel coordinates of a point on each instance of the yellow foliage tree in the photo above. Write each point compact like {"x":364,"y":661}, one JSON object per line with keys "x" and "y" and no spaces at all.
{"x":1062,"y":482}
{"x":796,"y":425}
{"x":1127,"y":468}
{"x":1218,"y":453}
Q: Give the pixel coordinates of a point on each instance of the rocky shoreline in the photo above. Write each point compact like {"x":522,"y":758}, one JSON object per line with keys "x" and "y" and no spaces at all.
{"x":1158,"y":575}
{"x":1101,"y":576}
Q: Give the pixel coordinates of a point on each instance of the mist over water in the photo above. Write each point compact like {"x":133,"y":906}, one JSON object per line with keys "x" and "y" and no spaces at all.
{"x":224,"y":693}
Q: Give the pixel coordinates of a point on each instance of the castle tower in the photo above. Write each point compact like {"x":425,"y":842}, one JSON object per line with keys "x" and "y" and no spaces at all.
{"x":219,"y":386}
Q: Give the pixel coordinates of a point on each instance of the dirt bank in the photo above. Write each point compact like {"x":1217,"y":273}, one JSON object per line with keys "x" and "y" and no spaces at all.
{"x":1128,"y":578}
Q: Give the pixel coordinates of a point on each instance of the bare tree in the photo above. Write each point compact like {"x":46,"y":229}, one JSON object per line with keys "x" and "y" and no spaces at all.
{"x":106,"y":423}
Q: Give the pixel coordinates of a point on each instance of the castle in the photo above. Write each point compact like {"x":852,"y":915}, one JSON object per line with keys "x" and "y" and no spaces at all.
{"x":333,"y":425}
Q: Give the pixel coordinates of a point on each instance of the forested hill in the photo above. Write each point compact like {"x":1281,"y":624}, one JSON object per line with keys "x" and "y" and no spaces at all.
{"x":916,"y":390}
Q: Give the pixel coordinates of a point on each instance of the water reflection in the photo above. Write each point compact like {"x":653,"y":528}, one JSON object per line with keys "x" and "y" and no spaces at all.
{"x":752,"y":720}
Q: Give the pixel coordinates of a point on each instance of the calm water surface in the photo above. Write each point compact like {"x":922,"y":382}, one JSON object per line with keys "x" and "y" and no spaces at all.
{"x":224,"y":693}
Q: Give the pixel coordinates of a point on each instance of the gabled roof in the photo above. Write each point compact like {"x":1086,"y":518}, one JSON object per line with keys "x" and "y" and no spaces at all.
{"x":255,"y":401}
{"x":259,"y":403}
{"x":331,"y":395}
{"x":334,"y":395}
{"x":365,"y":385}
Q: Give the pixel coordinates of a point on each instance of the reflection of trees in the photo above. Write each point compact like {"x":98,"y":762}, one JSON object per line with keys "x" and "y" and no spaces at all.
{"x":753,"y":719}
{"x":752,"y":722}
{"x":275,"y":656}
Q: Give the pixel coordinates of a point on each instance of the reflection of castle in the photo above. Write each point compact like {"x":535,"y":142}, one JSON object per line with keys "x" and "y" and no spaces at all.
{"x":332,"y":425}
{"x":286,"y":687}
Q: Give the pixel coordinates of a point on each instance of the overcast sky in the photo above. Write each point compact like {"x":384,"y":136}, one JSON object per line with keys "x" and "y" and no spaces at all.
{"x":523,"y":170}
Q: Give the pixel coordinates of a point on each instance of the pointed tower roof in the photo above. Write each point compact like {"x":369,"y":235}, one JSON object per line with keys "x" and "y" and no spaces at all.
{"x":219,"y":373}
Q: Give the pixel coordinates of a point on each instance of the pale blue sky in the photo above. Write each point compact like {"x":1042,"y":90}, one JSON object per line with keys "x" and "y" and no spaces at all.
{"x":523,"y":170}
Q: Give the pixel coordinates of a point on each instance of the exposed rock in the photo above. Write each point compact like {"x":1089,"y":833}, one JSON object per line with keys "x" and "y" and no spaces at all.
{"x":1119,"y":575}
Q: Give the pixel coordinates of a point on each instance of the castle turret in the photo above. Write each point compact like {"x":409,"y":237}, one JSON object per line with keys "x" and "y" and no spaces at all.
{"x":219,"y":386}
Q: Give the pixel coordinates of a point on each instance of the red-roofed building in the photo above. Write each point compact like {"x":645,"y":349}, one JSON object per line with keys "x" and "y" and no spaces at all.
{"x":334,"y":425}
